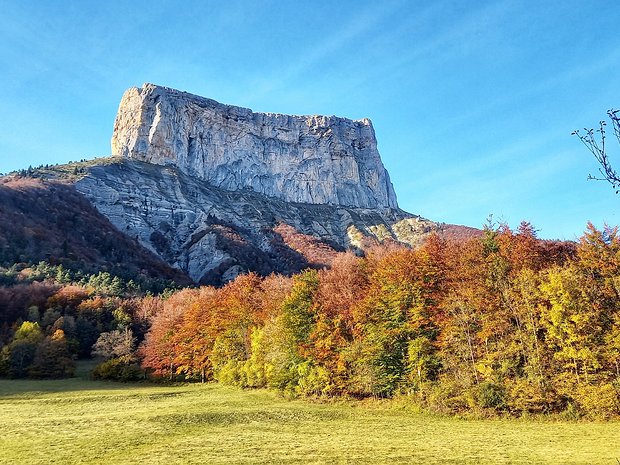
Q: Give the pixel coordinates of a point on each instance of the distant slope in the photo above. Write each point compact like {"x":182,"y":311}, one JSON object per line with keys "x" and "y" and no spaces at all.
{"x":134,"y":218}
{"x":214,"y":234}
{"x":49,"y":220}
{"x":459,"y":233}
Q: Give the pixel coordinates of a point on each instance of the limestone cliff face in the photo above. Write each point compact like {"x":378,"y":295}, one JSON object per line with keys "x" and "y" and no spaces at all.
{"x":216,"y":190}
{"x":303,"y":159}
{"x":213,"y":234}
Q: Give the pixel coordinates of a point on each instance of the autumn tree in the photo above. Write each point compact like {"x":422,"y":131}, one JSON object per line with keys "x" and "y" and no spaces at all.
{"x":287,"y":335}
{"x":272,"y":292}
{"x":341,"y":288}
{"x":116,"y":343}
{"x":22,"y":350}
{"x":160,"y":349}
{"x":397,"y":310}
{"x":52,"y":358}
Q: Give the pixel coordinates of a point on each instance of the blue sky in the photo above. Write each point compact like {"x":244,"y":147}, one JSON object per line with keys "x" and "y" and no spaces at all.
{"x":473,"y":103}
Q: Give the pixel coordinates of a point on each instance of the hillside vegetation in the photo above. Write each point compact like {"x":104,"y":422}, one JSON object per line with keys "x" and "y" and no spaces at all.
{"x":503,"y":324}
{"x":46,"y":219}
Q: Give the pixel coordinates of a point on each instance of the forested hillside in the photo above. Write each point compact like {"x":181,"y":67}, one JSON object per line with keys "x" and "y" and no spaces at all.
{"x":48,"y":220}
{"x":498,"y":323}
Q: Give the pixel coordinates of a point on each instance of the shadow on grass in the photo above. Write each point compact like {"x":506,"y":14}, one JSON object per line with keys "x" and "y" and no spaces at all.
{"x":80,"y":382}
{"x":25,"y":387}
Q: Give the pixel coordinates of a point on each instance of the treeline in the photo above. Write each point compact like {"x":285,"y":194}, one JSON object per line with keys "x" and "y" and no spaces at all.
{"x":50,"y":316}
{"x":499,"y":323}
{"x":504,"y":323}
{"x":103,"y":282}
{"x":33,"y":172}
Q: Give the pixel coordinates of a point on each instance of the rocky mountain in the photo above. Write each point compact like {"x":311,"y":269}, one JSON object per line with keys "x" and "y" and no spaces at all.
{"x":213,"y":234}
{"x":303,"y":159}
{"x":214,"y":190}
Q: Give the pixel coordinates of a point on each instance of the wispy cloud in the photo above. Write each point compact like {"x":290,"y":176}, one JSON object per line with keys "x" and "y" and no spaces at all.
{"x":354,"y":30}
{"x":425,"y":37}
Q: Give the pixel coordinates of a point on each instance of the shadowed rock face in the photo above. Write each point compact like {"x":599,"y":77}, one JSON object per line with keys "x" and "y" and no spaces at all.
{"x":303,"y":159}
{"x":214,"y":234}
{"x":217,"y":190}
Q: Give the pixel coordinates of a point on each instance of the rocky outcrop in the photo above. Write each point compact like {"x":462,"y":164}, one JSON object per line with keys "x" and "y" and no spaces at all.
{"x":303,"y":159}
{"x":216,"y":190}
{"x":213,"y":234}
{"x":211,"y":191}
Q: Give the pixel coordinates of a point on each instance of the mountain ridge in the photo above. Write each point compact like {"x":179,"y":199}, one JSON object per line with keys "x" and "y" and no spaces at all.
{"x":322,"y":189}
{"x":176,"y":220}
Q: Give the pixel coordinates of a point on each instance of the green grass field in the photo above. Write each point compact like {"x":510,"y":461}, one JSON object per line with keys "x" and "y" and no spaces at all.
{"x":80,"y":421}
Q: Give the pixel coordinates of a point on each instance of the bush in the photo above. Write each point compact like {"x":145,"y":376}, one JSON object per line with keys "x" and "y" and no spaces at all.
{"x":283,"y":377}
{"x":313,"y":380}
{"x":230,"y":373}
{"x":445,"y":396}
{"x":529,"y":396}
{"x":600,"y":401}
{"x":119,"y":369}
{"x":491,"y":395}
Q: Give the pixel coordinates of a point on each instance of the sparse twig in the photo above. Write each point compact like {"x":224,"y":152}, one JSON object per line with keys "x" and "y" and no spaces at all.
{"x":598,"y":149}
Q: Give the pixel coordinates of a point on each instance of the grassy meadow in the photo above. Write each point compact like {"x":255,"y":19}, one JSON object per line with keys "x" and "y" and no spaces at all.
{"x":81,"y":421}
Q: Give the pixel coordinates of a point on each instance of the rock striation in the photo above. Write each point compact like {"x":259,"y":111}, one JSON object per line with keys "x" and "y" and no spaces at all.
{"x":216,"y":190}
{"x":213,"y":234}
{"x":303,"y":159}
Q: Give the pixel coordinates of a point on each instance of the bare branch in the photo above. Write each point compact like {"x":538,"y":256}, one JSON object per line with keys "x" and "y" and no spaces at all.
{"x":598,"y":149}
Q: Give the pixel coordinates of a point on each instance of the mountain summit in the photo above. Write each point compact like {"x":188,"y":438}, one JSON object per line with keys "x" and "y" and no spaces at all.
{"x":212,"y":191}
{"x":216,"y":190}
{"x":304,"y":159}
